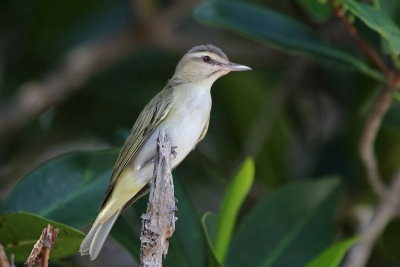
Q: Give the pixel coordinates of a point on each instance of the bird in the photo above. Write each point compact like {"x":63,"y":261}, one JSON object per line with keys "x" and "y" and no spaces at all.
{"x":182,"y":108}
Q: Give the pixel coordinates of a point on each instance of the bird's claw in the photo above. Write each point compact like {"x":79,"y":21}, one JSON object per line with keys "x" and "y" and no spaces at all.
{"x":173,"y":151}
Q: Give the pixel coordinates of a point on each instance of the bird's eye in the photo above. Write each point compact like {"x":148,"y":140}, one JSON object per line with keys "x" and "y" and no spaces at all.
{"x":206,"y":58}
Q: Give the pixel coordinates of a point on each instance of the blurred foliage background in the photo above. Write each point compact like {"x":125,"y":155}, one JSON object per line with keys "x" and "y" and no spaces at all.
{"x":74,"y":75}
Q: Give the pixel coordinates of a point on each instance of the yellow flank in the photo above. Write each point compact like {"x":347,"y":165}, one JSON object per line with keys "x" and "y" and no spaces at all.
{"x":127,"y":187}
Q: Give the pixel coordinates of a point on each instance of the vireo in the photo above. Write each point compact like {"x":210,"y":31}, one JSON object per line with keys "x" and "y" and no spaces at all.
{"x":182,"y":108}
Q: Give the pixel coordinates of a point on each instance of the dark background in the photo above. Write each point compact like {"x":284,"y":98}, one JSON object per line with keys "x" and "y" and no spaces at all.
{"x":297,"y":117}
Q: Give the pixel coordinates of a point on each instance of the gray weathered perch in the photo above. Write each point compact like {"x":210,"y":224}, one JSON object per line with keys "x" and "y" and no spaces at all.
{"x":41,"y":250}
{"x":158,"y":224}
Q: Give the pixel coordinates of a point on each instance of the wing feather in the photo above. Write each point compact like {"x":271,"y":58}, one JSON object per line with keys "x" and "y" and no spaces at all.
{"x":204,"y":131}
{"x":150,"y":117}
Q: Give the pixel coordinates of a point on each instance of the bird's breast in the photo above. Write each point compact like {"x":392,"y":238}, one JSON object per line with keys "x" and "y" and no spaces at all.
{"x":187,"y":122}
{"x":184,"y":123}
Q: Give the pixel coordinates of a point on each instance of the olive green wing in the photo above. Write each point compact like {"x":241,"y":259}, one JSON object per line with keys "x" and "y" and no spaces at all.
{"x":150,"y":117}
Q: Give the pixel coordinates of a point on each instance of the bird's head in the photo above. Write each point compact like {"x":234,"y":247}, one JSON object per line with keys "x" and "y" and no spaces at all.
{"x":204,"y":64}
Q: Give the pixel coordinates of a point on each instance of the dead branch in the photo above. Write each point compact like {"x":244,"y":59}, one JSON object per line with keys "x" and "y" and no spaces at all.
{"x":389,"y":197}
{"x":365,"y":47}
{"x":378,"y":109}
{"x":385,"y":211}
{"x":78,"y":66}
{"x":367,"y":141}
{"x":3,"y":258}
{"x":41,"y":251}
{"x":389,"y":202}
{"x":158,"y":224}
{"x":83,"y":62}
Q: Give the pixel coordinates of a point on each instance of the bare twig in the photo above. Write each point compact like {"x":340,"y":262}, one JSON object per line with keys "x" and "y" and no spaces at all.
{"x":41,"y":251}
{"x":369,"y":133}
{"x":158,"y":223}
{"x":79,"y":65}
{"x":385,"y":211}
{"x":3,"y":258}
{"x":378,"y":109}
{"x":367,"y":49}
{"x":83,"y":62}
{"x":388,"y":196}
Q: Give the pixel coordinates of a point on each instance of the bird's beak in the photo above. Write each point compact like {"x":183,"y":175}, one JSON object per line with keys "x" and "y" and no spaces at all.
{"x":235,"y":67}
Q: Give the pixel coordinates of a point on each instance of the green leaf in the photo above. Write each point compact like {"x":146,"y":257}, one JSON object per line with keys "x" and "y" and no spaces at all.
{"x":396,"y":95}
{"x":20,"y":231}
{"x":289,"y":227}
{"x":389,"y":8}
{"x":316,"y":9}
{"x":78,"y":182}
{"x":333,"y":256}
{"x":209,"y":223}
{"x":188,"y":239}
{"x":68,"y":189}
{"x":278,"y":31}
{"x":234,"y":197}
{"x":376,"y":20}
{"x":126,"y":232}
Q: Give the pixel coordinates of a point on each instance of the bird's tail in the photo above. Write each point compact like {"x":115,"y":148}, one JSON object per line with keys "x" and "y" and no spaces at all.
{"x":125,"y":192}
{"x":97,"y":235}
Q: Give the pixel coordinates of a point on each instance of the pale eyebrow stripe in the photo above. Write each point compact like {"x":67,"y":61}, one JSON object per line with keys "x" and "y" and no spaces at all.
{"x":208,"y":48}
{"x":214,"y":57}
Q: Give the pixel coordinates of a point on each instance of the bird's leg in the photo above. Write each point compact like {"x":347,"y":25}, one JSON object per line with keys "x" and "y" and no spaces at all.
{"x":152,"y":160}
{"x":173,"y":151}
{"x":147,"y":162}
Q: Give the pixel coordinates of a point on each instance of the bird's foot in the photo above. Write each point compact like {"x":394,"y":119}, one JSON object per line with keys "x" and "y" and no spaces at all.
{"x":173,"y":151}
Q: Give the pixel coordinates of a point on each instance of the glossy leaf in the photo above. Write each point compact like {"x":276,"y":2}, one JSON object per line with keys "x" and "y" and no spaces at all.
{"x":376,"y":20}
{"x":276,"y":30}
{"x":126,"y":232}
{"x":209,"y":223}
{"x":333,"y":256}
{"x":318,"y":10}
{"x":188,"y":239}
{"x":68,"y":189}
{"x":233,"y":200}
{"x":78,"y":182}
{"x":390,"y":9}
{"x":289,"y":227}
{"x":20,"y":231}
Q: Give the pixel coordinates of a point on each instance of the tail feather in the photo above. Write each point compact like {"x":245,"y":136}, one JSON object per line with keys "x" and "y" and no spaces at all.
{"x":125,"y":192}
{"x":94,"y":240}
{"x":84,"y":248}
